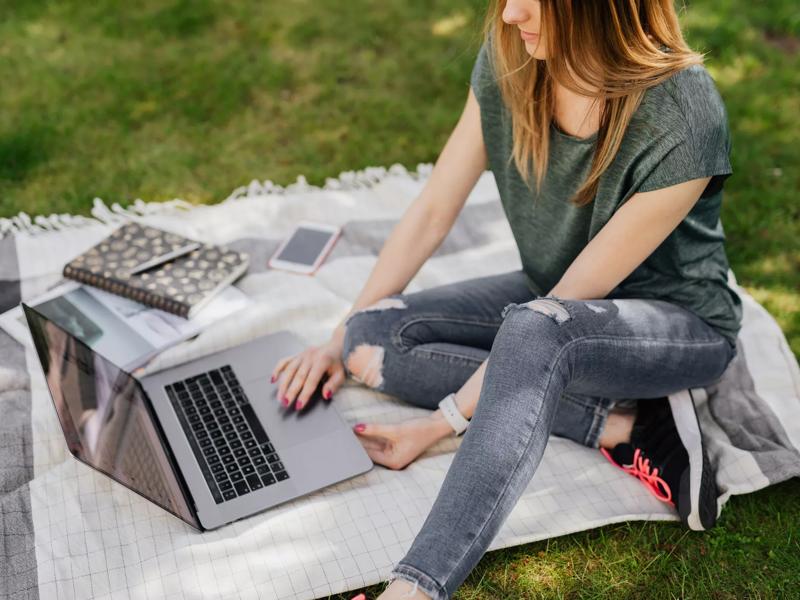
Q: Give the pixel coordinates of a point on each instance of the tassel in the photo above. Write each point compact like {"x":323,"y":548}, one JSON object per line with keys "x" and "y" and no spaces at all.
{"x":116,"y":213}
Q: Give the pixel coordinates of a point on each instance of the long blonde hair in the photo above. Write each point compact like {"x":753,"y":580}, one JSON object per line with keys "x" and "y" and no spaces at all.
{"x":612,"y":45}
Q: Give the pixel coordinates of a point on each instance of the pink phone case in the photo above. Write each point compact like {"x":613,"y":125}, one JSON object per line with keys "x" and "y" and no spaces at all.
{"x":317,"y":263}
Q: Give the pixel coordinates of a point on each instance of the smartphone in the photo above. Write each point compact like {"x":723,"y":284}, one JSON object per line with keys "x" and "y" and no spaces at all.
{"x":305,"y":249}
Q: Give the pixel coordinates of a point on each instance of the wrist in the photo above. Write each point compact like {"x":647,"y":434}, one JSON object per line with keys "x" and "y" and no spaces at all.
{"x":337,"y":337}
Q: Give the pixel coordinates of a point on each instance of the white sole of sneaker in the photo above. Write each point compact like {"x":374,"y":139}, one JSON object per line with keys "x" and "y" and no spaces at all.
{"x":686,"y":421}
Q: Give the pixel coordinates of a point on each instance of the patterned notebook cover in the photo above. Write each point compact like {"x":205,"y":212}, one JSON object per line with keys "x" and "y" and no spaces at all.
{"x":181,"y":286}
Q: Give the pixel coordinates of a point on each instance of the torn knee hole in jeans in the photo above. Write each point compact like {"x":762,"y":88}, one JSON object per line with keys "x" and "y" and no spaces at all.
{"x":365,"y":364}
{"x":597,"y":309}
{"x":385,"y":303}
{"x":551,"y":306}
{"x":382,"y":304}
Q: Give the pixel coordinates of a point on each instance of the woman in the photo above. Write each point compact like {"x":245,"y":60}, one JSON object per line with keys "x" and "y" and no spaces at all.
{"x":609,"y":144}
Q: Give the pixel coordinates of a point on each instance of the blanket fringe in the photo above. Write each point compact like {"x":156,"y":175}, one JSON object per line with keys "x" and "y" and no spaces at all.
{"x":115,"y":214}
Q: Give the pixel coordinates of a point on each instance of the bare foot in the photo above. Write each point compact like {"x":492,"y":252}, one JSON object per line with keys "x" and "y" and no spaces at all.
{"x":396,"y":445}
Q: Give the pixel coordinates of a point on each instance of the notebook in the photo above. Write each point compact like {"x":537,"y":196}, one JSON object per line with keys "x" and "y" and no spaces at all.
{"x":180,"y":285}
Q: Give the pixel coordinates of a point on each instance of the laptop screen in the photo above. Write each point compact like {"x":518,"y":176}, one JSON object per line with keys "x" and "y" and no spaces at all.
{"x":106,"y":420}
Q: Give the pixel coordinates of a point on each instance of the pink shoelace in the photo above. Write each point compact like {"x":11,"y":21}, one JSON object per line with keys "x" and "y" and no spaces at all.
{"x":645,"y":473}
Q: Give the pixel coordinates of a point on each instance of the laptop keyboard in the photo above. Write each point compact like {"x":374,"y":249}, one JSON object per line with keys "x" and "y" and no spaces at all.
{"x":232,"y":448}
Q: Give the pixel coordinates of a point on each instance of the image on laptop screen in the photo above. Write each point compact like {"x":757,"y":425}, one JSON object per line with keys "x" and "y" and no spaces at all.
{"x":105,"y":419}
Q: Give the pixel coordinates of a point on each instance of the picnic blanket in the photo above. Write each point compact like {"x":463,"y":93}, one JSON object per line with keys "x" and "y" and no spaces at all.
{"x":70,"y":532}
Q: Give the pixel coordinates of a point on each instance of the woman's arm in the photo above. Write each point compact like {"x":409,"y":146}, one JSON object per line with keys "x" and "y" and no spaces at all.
{"x":430,"y":217}
{"x":412,"y":241}
{"x":634,"y":231}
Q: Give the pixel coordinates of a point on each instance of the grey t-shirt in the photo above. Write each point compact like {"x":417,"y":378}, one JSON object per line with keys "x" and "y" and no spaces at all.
{"x":678,"y":133}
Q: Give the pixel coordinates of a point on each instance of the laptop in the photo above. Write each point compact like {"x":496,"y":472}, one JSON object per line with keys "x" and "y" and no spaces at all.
{"x":207,"y":440}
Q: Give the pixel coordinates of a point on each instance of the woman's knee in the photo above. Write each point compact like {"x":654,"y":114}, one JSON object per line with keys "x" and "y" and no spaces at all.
{"x":534,"y":337}
{"x":364,"y":363}
{"x":540,"y":325}
{"x":367,"y":333}
{"x":395,"y":301}
{"x":555,"y":308}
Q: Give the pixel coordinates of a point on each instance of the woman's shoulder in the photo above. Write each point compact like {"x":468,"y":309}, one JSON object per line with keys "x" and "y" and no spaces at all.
{"x":688,"y":101}
{"x":483,"y":80}
{"x":482,"y":69}
{"x":680,"y":132}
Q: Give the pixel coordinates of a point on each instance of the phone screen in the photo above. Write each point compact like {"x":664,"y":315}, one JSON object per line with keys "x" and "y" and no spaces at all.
{"x":305,"y":246}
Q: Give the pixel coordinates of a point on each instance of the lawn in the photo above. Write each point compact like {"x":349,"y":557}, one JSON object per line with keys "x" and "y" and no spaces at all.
{"x":193,"y":98}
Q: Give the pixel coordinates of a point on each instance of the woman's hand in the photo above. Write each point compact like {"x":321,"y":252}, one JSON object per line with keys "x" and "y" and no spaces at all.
{"x":302,"y":373}
{"x":397,"y":445}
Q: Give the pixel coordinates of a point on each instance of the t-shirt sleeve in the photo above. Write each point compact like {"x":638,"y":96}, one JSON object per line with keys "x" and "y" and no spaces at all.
{"x":698,"y":143}
{"x":482,"y":76}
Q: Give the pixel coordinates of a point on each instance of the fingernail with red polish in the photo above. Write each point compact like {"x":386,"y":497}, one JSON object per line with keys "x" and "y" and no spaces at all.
{"x":272,"y":379}
{"x":360,"y":427}
{"x":285,"y":401}
{"x":298,"y":406}
{"x":327,"y":394}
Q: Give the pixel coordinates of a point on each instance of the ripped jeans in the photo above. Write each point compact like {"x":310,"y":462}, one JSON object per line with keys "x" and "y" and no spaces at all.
{"x":555,"y":366}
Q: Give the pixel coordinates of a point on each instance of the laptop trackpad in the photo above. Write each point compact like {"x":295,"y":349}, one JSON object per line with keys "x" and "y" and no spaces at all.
{"x":286,"y":426}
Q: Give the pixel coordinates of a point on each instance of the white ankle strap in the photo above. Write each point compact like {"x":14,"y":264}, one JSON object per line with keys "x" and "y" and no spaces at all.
{"x":452,"y":414}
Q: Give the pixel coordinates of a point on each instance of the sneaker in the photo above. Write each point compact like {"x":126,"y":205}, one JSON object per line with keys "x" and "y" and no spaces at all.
{"x":676,"y":470}
{"x":698,"y":502}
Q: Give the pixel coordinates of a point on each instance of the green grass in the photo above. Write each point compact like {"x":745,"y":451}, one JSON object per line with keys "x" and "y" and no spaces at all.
{"x":193,"y":98}
{"x":751,"y":553}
